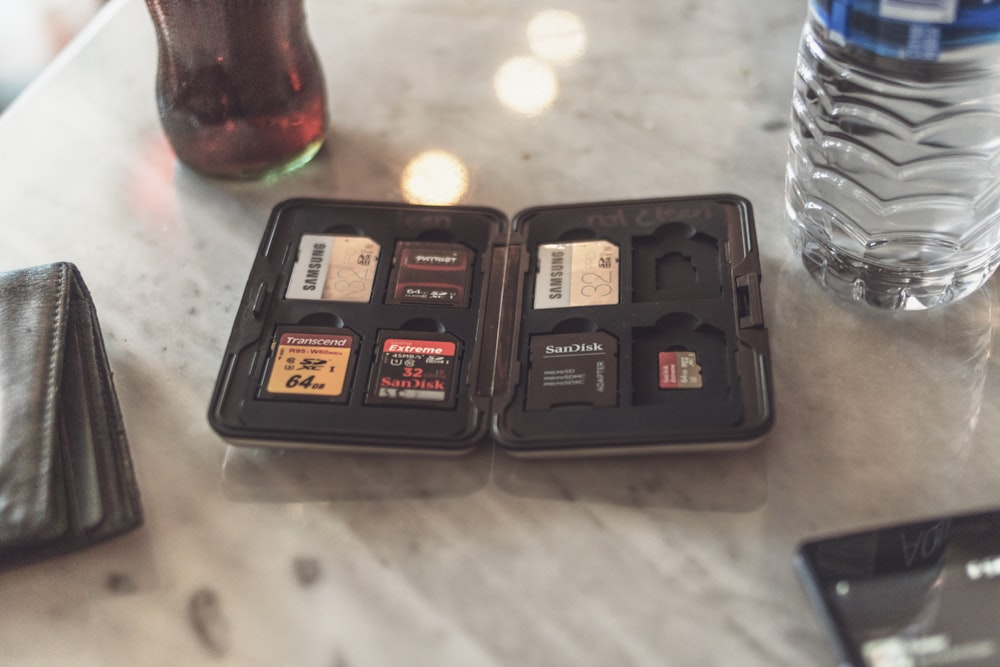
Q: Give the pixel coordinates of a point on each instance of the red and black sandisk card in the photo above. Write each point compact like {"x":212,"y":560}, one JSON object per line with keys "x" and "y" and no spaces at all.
{"x":415,"y":369}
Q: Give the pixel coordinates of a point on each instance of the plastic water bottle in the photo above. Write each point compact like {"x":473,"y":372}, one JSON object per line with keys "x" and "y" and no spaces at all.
{"x":893,"y":177}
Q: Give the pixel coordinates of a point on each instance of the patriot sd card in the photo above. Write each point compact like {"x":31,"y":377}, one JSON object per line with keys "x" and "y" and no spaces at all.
{"x":329,"y":267}
{"x":573,"y":369}
{"x":415,"y":369}
{"x":310,"y":363}
{"x":431,"y":274}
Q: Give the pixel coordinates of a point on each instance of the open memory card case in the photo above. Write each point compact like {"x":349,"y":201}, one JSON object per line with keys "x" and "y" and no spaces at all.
{"x":608,"y":328}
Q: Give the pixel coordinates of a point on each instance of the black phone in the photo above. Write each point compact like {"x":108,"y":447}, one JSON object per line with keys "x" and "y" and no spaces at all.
{"x":913,"y":594}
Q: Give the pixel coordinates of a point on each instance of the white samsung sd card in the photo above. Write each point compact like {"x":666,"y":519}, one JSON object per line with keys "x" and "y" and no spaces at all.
{"x":582,"y":273}
{"x":329,"y":267}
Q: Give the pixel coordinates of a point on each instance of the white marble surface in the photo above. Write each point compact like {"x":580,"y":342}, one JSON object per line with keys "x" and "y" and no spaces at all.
{"x":337,"y":561}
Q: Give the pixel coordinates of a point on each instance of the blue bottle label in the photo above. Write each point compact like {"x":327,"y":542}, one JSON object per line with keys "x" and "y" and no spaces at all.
{"x":911,"y":29}
{"x":919,"y":11}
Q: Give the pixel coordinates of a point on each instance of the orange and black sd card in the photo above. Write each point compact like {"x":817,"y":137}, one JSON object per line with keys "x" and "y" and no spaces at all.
{"x":311,"y":363}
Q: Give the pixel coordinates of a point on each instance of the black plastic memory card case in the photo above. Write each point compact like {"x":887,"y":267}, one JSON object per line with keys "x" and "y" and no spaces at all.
{"x":461,"y":330}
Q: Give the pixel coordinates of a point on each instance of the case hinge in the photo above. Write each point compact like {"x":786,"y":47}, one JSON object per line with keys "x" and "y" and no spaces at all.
{"x":750,"y":311}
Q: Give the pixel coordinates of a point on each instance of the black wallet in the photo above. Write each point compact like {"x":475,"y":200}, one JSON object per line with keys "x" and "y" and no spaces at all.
{"x":66,"y":476}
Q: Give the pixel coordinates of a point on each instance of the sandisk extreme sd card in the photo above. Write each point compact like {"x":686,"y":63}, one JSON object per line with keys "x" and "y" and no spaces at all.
{"x":415,"y":369}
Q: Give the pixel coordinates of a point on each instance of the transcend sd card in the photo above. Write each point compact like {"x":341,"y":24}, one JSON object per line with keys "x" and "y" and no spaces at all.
{"x":329,"y":267}
{"x":415,"y":369}
{"x":310,"y":363}
{"x":573,"y":369}
{"x":431,"y":274}
{"x":582,"y":273}
{"x":679,"y":370}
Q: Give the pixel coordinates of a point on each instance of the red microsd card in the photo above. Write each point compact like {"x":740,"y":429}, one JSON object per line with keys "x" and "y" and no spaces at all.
{"x":431,"y":274}
{"x":413,"y":369}
{"x":679,"y":370}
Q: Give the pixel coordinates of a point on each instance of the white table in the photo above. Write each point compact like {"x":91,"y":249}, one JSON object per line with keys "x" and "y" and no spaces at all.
{"x":341,"y":560}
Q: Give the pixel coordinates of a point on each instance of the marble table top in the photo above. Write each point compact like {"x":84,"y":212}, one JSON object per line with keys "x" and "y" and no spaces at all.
{"x":252,"y":557}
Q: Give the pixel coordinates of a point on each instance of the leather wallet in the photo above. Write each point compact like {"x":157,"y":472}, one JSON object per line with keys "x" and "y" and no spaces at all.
{"x":66,"y":476}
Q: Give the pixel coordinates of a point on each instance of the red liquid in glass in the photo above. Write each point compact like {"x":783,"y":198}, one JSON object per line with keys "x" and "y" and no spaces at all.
{"x":239,"y":87}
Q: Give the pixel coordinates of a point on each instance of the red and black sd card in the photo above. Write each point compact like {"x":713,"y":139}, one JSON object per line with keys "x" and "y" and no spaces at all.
{"x":431,"y":274}
{"x":573,"y":369}
{"x":415,"y":369}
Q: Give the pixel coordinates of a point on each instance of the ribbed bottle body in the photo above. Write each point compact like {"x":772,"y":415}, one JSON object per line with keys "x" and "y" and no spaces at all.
{"x":893,"y":176}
